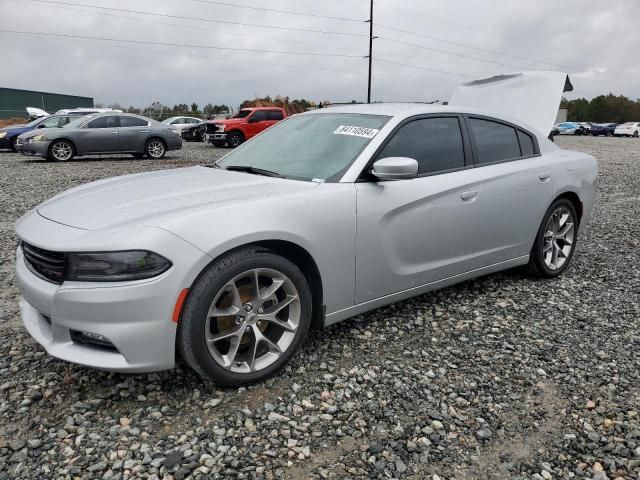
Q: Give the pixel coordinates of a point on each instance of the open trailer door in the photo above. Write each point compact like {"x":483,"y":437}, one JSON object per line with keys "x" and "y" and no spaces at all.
{"x":533,"y":97}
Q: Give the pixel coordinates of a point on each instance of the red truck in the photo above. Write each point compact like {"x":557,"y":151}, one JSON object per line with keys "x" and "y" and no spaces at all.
{"x":247,"y":123}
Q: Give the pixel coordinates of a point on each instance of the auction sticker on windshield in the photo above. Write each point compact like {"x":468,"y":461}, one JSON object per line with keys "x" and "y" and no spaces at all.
{"x":356,"y":131}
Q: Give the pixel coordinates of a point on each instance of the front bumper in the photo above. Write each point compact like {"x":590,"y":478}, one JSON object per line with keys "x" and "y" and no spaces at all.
{"x":5,"y":142}
{"x":216,"y":137}
{"x":33,"y":148}
{"x":134,"y":317}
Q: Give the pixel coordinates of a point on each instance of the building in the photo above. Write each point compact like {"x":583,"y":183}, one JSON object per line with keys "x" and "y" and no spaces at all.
{"x":562,"y":115}
{"x":13,"y":102}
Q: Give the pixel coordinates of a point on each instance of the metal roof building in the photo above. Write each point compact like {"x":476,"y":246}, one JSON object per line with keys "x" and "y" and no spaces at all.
{"x":13,"y":102}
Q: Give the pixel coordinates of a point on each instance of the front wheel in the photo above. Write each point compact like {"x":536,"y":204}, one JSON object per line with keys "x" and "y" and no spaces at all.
{"x":245,"y":317}
{"x":13,"y":144}
{"x":61,"y":151}
{"x":155,"y":149}
{"x":635,"y":134}
{"x":235,"y":139}
{"x":555,"y":241}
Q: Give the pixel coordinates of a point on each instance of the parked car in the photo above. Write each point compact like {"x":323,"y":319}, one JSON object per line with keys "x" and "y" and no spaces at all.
{"x":9,"y":135}
{"x":324,"y":216}
{"x":182,"y":123}
{"x":99,"y":134}
{"x":247,"y":123}
{"x":195,"y":132}
{"x":629,"y":129}
{"x":86,"y":110}
{"x":570,"y":128}
{"x":606,"y":129}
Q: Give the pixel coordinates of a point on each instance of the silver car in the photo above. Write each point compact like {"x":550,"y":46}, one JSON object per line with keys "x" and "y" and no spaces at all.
{"x":182,"y":123}
{"x":324,"y":216}
{"x":102,"y":133}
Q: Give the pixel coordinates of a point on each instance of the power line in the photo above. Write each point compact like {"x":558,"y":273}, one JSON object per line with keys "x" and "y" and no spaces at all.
{"x":273,"y":10}
{"x":228,"y":22}
{"x":168,"y":44}
{"x":191,"y":27}
{"x":493,"y":52}
{"x":422,"y":68}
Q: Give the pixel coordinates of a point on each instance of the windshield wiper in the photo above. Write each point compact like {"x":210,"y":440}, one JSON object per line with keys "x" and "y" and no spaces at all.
{"x":253,"y":170}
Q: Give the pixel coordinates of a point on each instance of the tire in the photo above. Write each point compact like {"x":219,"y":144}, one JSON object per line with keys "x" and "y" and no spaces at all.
{"x":155,"y":149}
{"x":635,"y":134}
{"x":203,"y":137}
{"x":61,"y":151}
{"x":556,"y":236}
{"x":13,"y":144}
{"x":234,"y":139}
{"x":240,"y":324}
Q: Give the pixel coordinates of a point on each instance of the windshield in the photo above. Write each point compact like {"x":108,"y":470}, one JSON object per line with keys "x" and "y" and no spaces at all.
{"x":242,"y":114}
{"x":308,"y":147}
{"x":35,"y":122}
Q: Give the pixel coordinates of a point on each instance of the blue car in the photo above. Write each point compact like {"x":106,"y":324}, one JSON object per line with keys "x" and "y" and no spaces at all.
{"x":606,"y":129}
{"x":9,"y":135}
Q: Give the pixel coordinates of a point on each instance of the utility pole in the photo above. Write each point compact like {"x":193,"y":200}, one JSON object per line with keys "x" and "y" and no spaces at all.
{"x":370,"y":50}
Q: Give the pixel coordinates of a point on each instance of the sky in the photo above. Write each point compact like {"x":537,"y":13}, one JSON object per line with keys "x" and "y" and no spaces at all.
{"x":423,"y":50}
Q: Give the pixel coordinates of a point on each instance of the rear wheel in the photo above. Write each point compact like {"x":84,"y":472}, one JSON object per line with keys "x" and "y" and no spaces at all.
{"x":61,"y":151}
{"x":155,"y":149}
{"x":245,"y":317}
{"x":235,"y":139}
{"x":556,"y":240}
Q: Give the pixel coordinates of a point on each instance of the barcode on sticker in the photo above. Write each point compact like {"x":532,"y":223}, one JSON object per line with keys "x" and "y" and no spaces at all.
{"x":356,"y":131}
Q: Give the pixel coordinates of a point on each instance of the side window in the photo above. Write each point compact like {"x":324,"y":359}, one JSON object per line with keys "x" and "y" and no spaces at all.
{"x":494,"y":141}
{"x":274,"y":115}
{"x":103,"y":122}
{"x":133,"y":122}
{"x":259,"y":116}
{"x":65,"y":120}
{"x":50,"y":123}
{"x":526,"y":144}
{"x":436,"y":143}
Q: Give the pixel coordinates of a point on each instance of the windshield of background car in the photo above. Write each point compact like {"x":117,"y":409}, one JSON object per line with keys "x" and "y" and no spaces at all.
{"x":242,"y":114}
{"x":309,"y":147}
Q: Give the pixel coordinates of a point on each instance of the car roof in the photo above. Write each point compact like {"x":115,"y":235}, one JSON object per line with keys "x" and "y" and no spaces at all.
{"x":404,"y":110}
{"x":258,"y":108}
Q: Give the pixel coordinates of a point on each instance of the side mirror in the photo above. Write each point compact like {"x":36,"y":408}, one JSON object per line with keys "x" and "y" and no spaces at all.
{"x":40,"y":126}
{"x":395,"y":168}
{"x":254,"y":119}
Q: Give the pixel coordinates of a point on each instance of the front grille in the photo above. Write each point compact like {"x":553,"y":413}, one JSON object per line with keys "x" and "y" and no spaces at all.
{"x":43,"y":263}
{"x":214,"y":127}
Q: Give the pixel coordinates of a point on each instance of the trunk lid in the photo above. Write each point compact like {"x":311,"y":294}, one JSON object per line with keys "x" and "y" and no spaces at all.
{"x":533,"y":97}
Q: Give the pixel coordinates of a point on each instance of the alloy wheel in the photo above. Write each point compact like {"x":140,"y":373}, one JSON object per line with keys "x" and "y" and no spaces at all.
{"x":61,"y":151}
{"x":252,"y":320}
{"x":558,"y":238}
{"x":155,"y":148}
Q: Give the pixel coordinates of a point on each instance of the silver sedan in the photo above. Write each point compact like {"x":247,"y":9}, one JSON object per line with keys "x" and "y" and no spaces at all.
{"x":324,"y":216}
{"x":99,"y":134}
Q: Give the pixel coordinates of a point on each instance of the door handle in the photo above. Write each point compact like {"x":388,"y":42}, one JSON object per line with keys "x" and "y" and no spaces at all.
{"x":143,"y":131}
{"x":114,"y":133}
{"x":469,"y":196}
{"x":544,"y":177}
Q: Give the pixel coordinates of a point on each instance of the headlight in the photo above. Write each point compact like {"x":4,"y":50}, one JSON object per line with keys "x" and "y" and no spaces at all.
{"x":39,"y":138}
{"x":115,"y":266}
{"x":3,"y":134}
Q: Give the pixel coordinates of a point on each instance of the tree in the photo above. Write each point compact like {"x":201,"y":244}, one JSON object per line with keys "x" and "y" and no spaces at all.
{"x":194,"y":107}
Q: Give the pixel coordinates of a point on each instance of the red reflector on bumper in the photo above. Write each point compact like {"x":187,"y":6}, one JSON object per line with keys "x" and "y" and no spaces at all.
{"x":177,"y":310}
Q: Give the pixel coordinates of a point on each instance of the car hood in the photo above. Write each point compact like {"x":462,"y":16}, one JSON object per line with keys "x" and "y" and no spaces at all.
{"x":10,"y":128}
{"x":149,"y":199}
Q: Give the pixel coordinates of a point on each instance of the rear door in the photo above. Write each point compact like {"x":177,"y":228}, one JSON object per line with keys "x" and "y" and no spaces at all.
{"x":518,"y":185}
{"x":414,"y":232}
{"x":133,"y":133}
{"x":100,"y":135}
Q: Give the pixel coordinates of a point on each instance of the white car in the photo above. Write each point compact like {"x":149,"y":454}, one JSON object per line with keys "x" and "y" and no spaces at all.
{"x":326,"y":215}
{"x":629,"y":129}
{"x":182,"y":123}
{"x":86,"y":111}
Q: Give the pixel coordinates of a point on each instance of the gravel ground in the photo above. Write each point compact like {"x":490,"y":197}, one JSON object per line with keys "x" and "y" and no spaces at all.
{"x":505,"y":377}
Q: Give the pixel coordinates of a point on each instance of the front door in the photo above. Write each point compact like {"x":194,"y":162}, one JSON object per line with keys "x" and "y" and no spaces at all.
{"x":257,"y":123}
{"x":414,"y":232}
{"x":98,"y":136}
